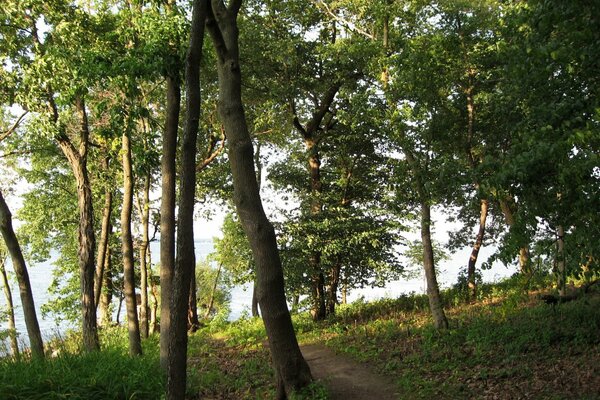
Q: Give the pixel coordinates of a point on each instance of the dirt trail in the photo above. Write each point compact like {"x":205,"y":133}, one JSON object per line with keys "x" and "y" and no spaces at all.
{"x":345,"y":378}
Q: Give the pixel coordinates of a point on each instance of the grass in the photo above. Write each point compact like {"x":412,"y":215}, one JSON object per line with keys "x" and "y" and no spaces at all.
{"x":507,"y":345}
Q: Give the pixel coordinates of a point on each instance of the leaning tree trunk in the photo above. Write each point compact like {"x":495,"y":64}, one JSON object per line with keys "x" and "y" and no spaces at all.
{"x":472,"y":284}
{"x":12,"y":329}
{"x":211,"y":301}
{"x":186,"y":260}
{"x":18,"y":262}
{"x":292,"y":371}
{"x":133,"y":326}
{"x":433,"y":290}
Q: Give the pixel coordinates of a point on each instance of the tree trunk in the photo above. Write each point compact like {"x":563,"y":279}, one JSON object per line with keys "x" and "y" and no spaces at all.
{"x":483,"y":212}
{"x":18,"y":262}
{"x":433,"y":290}
{"x":145,"y":217}
{"x":561,"y":276}
{"x":12,"y":329}
{"x":292,"y":371}
{"x":133,"y":327}
{"x":334,"y":282}
{"x":104,"y":311}
{"x":87,"y":240}
{"x":254,"y":307}
{"x":167,"y":212}
{"x":524,"y":264}
{"x":104,"y":236}
{"x":186,"y":260}
{"x":193,"y":321}
{"x":154,"y":293}
{"x":211,"y":301}
{"x":345,"y":293}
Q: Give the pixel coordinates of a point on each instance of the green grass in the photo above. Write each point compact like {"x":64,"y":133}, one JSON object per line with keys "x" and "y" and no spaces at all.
{"x":508,"y":344}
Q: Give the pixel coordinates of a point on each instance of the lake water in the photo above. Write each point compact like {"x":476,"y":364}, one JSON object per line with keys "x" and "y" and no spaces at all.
{"x":41,"y":276}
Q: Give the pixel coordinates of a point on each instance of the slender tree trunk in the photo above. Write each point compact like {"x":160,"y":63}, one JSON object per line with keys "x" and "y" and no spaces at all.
{"x":154,"y":293}
{"x":167,"y":212}
{"x":433,"y":290}
{"x":211,"y":301}
{"x":561,"y":275}
{"x":104,"y":310}
{"x":483,"y":212}
{"x":18,"y":263}
{"x":193,"y":321}
{"x":345,"y":293}
{"x":292,"y":371}
{"x":104,"y":235}
{"x":118,"y":318}
{"x":133,"y":326}
{"x":12,"y":329}
{"x":186,"y":261}
{"x":145,"y":217}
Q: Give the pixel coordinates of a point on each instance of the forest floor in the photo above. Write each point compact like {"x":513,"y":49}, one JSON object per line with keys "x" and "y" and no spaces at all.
{"x":346,"y":379}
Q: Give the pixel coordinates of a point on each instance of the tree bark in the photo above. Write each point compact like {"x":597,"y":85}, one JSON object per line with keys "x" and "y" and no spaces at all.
{"x":186,"y":261}
{"x":87,"y":240}
{"x":103,"y":244}
{"x":104,"y":312}
{"x":12,"y":329}
{"x":433,"y":290}
{"x":193,"y":321}
{"x":18,"y":262}
{"x":254,"y":306}
{"x":133,"y":327}
{"x":292,"y":371}
{"x":167,"y":211}
{"x":472,"y":284}
{"x":145,"y":217}
{"x":334,"y":282}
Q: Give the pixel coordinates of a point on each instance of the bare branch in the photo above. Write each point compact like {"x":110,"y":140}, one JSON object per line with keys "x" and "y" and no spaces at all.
{"x":214,"y":153}
{"x":349,"y":25}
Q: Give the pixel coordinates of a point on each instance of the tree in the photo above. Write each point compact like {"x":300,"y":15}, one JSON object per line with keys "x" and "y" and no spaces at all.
{"x":10,"y":310}
{"x":18,"y":262}
{"x":185,"y":261}
{"x":292,"y":371}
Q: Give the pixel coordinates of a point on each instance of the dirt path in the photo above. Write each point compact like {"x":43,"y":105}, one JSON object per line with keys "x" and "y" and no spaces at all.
{"x":345,"y":378}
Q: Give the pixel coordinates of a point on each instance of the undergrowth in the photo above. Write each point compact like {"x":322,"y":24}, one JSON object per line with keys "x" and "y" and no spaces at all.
{"x":506,"y":345}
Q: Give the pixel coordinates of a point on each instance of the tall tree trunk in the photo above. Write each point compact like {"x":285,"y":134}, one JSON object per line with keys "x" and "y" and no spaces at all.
{"x":483,"y":212}
{"x":167,"y":212}
{"x":103,"y":244}
{"x":104,"y":311}
{"x":211,"y":301}
{"x":561,"y":276}
{"x":186,"y":260}
{"x":12,"y":329}
{"x":87,"y":240}
{"x":133,"y":326}
{"x":433,"y":290}
{"x":292,"y":371}
{"x":311,"y":142}
{"x":154,"y":293}
{"x":18,"y":262}
{"x":145,"y":217}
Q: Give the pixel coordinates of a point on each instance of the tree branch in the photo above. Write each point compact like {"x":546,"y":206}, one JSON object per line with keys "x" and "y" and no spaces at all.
{"x":349,"y":25}
{"x":14,"y":127}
